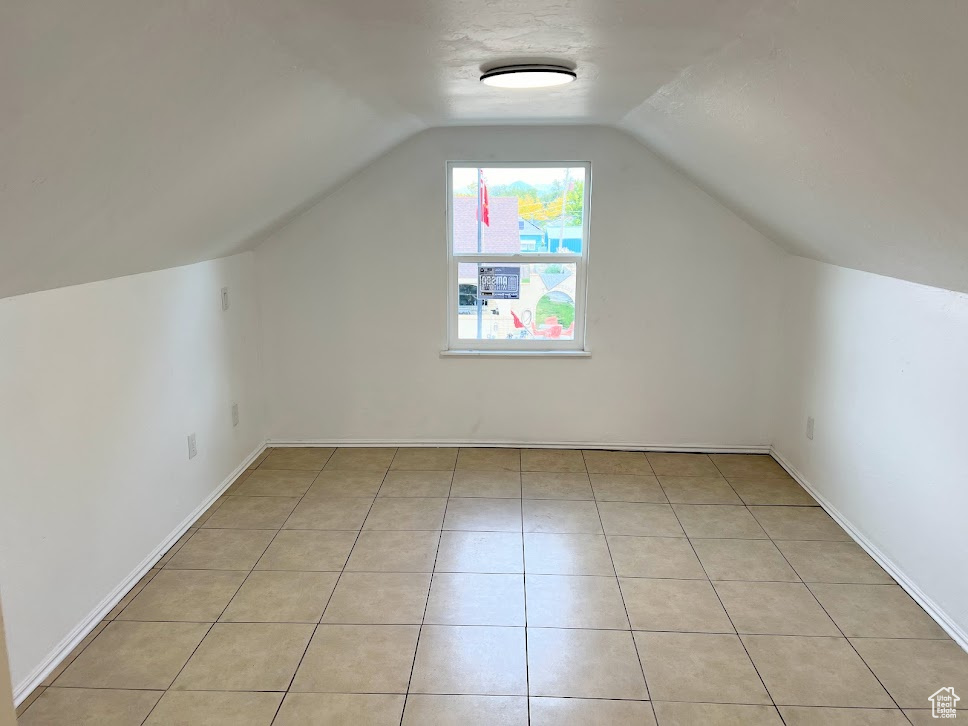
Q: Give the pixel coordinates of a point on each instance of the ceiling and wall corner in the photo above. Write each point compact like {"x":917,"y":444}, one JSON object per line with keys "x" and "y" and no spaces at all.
{"x":137,"y":136}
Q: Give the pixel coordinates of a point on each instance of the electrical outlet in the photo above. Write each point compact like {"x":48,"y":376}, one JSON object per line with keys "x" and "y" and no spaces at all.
{"x":225,"y":299}
{"x":810,"y":427}
{"x":192,"y":448}
{"x":235,"y":414}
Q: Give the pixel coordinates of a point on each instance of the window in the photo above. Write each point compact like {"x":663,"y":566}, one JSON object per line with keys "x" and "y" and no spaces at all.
{"x":517,"y":249}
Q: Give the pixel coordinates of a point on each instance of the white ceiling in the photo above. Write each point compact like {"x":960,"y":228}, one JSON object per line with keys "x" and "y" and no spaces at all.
{"x":137,"y":135}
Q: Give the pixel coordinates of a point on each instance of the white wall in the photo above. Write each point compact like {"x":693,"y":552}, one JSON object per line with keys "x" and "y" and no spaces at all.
{"x":882,"y":366}
{"x":99,"y":386}
{"x":681,"y":312}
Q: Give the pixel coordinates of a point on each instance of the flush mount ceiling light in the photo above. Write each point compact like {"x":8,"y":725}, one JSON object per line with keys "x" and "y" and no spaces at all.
{"x":528,"y":76}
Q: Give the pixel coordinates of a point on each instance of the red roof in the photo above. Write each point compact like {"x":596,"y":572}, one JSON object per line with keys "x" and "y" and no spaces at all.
{"x":501,"y":236}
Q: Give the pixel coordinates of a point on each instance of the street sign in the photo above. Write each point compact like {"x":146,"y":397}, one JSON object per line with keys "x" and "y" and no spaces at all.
{"x":499,"y":283}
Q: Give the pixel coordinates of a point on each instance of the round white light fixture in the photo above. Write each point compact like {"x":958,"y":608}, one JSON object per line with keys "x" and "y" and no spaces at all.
{"x":528,"y":76}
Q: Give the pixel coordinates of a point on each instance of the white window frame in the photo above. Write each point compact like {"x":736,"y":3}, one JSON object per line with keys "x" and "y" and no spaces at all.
{"x":523,"y":346}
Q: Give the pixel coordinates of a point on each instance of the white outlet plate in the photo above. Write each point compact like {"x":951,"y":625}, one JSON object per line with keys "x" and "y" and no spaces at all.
{"x":235,"y":414}
{"x":192,"y":448}
{"x":225,"y":298}
{"x":810,"y":427}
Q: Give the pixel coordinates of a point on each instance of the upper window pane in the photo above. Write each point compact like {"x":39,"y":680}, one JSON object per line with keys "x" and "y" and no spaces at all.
{"x":508,"y":210}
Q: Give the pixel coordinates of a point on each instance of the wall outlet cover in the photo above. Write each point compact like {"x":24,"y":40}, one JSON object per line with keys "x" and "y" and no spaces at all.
{"x":810,"y":427}
{"x":192,"y":448}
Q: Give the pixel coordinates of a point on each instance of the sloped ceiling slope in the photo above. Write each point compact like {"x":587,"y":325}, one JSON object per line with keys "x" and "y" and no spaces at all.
{"x":137,"y":135}
{"x":838,"y":128}
{"x":141,"y":135}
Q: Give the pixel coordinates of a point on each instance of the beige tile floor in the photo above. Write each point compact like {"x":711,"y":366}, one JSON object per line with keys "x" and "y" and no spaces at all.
{"x":370,"y":587}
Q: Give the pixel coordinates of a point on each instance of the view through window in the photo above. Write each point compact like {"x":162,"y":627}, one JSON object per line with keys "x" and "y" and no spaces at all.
{"x":518,"y":243}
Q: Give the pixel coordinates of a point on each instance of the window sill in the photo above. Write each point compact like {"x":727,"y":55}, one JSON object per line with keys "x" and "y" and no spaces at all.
{"x":515,"y":354}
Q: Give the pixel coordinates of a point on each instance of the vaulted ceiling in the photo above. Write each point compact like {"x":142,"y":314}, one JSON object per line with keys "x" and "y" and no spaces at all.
{"x":137,"y":135}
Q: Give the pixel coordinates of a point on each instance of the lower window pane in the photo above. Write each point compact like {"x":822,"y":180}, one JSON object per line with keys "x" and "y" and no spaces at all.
{"x":517,"y":302}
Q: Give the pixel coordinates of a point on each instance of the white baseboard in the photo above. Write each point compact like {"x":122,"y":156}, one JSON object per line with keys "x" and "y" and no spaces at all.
{"x":72,"y":639}
{"x":930,"y":606}
{"x":618,"y":446}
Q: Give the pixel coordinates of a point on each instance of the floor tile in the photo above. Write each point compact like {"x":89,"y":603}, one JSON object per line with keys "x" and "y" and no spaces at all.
{"x":90,"y":707}
{"x":812,"y":716}
{"x":308,"y":550}
{"x":912,"y":670}
{"x":134,"y":655}
{"x":575,"y":601}
{"x":29,"y":700}
{"x":563,"y":460}
{"x":673,"y":605}
{"x":406,"y":513}
{"x":800,"y":523}
{"x":245,"y":657}
{"x":215,"y":709}
{"x":584,"y":664}
{"x":426,"y":710}
{"x":364,"y":458}
{"x":173,"y":550}
{"x":346,"y":484}
{"x":920,"y":717}
{"x":281,"y":597}
{"x":833,"y":562}
{"x":222,"y":549}
{"x":340,"y":709}
{"x":72,"y":656}
{"x":480,"y":552}
{"x":698,"y":490}
{"x":774,"y":608}
{"x":698,"y":667}
{"x":470,"y":660}
{"x":717,"y":521}
{"x":476,"y":599}
{"x":325,"y":513}
{"x":416,"y":483}
{"x":276,"y":483}
{"x":555,"y":485}
{"x":263,"y":455}
{"x":132,"y":594}
{"x":358,"y":659}
{"x":627,"y":488}
{"x":634,"y":518}
{"x":548,"y":711}
{"x":483,"y":515}
{"x":388,"y":598}
{"x":207,"y":514}
{"x":252,"y":513}
{"x":309,"y":458}
{"x":493,"y":484}
{"x":394,"y":551}
{"x":743,"y":559}
{"x":496,"y":459}
{"x":655,"y":557}
{"x":567,"y":554}
{"x":185,"y":595}
{"x":772,"y":491}
{"x":802,"y":671}
{"x":551,"y":515}
{"x":876,"y":611}
{"x":672,"y":464}
{"x":715,"y":714}
{"x":421,"y":458}
{"x":749,"y":466}
{"x":616,"y":462}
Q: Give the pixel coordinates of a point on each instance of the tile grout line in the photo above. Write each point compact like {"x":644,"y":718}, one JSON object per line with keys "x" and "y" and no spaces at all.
{"x":621,"y":593}
{"x":728,"y":616}
{"x":524,"y":588}
{"x":338,"y":577}
{"x":430,"y":587}
{"x":244,"y":580}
